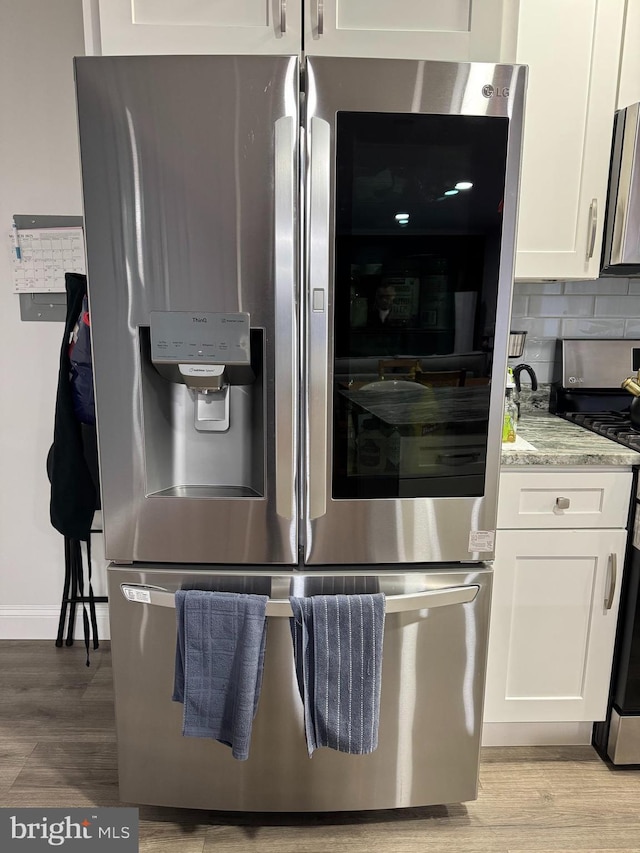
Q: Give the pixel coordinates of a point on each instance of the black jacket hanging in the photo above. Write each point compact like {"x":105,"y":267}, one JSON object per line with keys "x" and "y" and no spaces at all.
{"x":73,"y":455}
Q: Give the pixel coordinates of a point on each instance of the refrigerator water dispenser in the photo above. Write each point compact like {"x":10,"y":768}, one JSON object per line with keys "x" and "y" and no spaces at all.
{"x":202,"y":396}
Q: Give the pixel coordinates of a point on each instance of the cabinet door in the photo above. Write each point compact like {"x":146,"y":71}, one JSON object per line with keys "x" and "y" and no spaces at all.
{"x":129,"y":27}
{"x":629,"y":85}
{"x":458,"y":30}
{"x":572,"y":48}
{"x":553,"y":622}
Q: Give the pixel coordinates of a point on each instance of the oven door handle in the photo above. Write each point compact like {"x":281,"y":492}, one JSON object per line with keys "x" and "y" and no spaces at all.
{"x":143,"y":594}
{"x":613,"y":578}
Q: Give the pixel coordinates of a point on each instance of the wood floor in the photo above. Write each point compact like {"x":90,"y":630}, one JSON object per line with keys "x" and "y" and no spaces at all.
{"x":57,"y":748}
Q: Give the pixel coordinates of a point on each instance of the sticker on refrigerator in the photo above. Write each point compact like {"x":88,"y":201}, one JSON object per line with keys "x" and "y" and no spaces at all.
{"x":481,"y":540}
{"x":136,"y":594}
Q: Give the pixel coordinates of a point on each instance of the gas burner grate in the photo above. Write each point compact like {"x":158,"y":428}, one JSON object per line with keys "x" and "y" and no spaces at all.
{"x":613,"y":425}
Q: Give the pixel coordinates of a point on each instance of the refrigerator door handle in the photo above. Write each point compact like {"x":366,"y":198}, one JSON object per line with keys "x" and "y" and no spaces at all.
{"x":280,"y":607}
{"x":286,"y":373}
{"x":319,"y":147}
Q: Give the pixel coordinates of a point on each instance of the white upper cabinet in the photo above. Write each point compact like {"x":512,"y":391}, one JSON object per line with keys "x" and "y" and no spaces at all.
{"x":572,"y":48}
{"x":127,"y":27}
{"x":629,"y":86}
{"x":458,"y":30}
{"x":416,"y":29}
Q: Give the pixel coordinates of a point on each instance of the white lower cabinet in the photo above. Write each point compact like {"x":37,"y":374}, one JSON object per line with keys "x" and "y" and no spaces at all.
{"x":553,"y":624}
{"x":558,"y":569}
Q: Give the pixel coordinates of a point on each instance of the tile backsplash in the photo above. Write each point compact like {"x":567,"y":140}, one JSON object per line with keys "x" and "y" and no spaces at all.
{"x":604,"y":308}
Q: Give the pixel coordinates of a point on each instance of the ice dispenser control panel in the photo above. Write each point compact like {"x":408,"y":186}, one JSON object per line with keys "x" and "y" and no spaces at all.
{"x":188,"y":337}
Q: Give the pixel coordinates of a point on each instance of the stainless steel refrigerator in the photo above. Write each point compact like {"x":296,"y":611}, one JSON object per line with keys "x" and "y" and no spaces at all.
{"x":300,"y":280}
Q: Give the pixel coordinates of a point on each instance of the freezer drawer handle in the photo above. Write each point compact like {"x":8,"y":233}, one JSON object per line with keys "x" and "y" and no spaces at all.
{"x":142,"y":594}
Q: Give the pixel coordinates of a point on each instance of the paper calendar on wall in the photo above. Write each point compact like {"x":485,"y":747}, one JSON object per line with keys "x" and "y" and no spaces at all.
{"x":41,"y":257}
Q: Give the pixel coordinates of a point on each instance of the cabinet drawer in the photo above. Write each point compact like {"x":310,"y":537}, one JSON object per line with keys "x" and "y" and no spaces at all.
{"x":530,"y":499}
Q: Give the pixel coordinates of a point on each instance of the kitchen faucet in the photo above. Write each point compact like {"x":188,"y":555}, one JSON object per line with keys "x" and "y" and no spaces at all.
{"x":516,"y":378}
{"x":532,"y":376}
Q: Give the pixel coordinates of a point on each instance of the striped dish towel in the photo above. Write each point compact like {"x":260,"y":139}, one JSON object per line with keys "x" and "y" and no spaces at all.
{"x":337,"y":645}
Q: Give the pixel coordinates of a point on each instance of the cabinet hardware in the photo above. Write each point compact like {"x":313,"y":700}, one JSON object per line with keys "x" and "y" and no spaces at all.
{"x":562,"y":503}
{"x":593,"y":225}
{"x":613,"y":577}
{"x":283,"y":16}
{"x":320,"y":13}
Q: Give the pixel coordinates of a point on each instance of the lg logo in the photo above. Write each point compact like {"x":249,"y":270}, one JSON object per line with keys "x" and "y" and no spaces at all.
{"x":490,"y":91}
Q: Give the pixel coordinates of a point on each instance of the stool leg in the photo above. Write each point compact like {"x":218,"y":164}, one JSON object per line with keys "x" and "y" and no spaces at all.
{"x":92,"y":601}
{"x":74,"y":591}
{"x":65,"y":593}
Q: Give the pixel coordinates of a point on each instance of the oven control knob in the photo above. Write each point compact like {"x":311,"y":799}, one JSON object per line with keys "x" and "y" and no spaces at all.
{"x":562,"y":503}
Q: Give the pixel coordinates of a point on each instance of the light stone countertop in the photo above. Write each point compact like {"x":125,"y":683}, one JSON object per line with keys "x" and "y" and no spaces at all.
{"x":558,"y":442}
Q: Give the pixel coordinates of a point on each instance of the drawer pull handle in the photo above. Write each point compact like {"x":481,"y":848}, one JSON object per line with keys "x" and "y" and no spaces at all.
{"x":562,"y":503}
{"x":613,"y":577}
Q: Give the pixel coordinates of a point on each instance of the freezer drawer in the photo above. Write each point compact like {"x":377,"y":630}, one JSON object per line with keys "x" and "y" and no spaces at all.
{"x":431,"y":702}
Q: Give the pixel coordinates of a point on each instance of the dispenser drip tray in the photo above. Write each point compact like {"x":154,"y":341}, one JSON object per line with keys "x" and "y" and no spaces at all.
{"x":206,"y":492}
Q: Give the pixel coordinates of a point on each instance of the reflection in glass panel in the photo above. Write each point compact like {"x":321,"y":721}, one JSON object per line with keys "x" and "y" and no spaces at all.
{"x":418,"y":230}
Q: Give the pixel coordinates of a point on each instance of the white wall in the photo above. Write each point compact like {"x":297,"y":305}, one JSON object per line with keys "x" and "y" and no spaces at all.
{"x":39,"y":174}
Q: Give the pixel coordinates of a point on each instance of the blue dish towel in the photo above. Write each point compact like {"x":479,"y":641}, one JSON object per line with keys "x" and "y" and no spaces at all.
{"x":219,"y":664}
{"x":337,"y":645}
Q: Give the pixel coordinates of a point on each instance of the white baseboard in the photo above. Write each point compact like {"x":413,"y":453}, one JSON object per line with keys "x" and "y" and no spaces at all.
{"x":40,"y":622}
{"x":536,"y":734}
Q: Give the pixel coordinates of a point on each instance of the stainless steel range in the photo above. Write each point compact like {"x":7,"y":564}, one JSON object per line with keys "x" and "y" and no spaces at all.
{"x":588,"y":388}
{"x":588,"y":392}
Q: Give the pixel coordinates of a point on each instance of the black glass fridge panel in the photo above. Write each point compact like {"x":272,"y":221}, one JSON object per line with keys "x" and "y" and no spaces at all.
{"x":418,"y":236}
